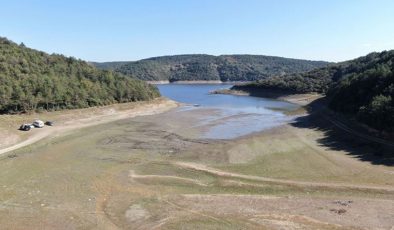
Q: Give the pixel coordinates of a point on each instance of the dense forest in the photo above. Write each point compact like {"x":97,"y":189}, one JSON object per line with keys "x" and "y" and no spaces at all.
{"x":208,"y":67}
{"x":33,"y":80}
{"x":363,"y":87}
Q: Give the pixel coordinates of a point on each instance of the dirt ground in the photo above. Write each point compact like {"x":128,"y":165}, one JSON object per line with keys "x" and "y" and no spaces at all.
{"x":154,"y":172}
{"x":66,"y":121}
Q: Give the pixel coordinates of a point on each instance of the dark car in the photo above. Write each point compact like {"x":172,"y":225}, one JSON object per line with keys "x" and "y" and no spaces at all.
{"x":25,"y":127}
{"x":49,"y":123}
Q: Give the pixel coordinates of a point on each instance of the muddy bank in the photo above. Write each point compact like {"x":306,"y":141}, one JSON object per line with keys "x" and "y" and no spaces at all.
{"x":185,"y":82}
{"x":300,"y":99}
{"x":158,"y":82}
{"x":196,"y":82}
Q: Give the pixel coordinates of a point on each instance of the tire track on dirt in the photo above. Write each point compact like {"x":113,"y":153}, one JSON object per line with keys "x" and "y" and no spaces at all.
{"x":204,"y":168}
{"x":194,"y":181}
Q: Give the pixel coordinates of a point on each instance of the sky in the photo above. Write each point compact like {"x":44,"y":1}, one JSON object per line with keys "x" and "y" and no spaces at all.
{"x":121,"y":30}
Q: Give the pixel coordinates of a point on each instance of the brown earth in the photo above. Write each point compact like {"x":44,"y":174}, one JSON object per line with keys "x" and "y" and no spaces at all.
{"x":154,"y":172}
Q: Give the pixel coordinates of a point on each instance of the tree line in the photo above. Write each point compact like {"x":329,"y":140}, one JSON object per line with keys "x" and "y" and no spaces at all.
{"x":209,"y":67}
{"x":34,"y":80}
{"x":362,"y":88}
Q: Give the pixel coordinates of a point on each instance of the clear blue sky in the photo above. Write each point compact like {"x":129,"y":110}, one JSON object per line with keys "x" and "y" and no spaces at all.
{"x":98,"y":30}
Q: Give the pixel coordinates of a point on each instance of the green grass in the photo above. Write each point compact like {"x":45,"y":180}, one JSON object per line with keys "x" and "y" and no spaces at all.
{"x":285,"y":156}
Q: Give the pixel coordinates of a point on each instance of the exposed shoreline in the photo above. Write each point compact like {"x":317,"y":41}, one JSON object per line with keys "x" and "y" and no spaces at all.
{"x":194,"y":82}
{"x":306,"y":100}
{"x":151,"y":170}
{"x":299,"y":99}
{"x":90,"y":117}
{"x":70,"y":120}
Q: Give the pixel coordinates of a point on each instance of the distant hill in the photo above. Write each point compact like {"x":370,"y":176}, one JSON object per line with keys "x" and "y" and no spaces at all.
{"x":208,"y":67}
{"x":363,"y":87}
{"x":108,"y":65}
{"x":34,"y":80}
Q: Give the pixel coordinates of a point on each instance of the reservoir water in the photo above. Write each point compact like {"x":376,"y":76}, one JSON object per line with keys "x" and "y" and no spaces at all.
{"x":234,"y":115}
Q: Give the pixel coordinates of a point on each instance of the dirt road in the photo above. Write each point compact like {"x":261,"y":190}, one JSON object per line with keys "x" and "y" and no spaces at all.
{"x":108,"y":115}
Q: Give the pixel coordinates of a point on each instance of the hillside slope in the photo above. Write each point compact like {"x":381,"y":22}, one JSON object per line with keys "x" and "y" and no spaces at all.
{"x":363,"y":87}
{"x":208,"y":67}
{"x":33,"y":80}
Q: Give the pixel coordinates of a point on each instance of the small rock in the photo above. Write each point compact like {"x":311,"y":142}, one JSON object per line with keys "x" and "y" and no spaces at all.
{"x":338,"y":211}
{"x":343,"y":203}
{"x":12,"y":155}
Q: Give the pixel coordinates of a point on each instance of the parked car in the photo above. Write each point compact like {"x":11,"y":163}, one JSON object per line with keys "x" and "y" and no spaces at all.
{"x":26,"y":127}
{"x":49,"y":123}
{"x":38,"y":124}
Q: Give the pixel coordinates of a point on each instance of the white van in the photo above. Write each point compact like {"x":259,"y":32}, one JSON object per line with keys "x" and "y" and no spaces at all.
{"x":38,"y":124}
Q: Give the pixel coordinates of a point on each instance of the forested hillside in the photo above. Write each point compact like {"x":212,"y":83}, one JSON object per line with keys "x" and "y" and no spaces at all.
{"x":363,"y":87}
{"x":368,"y":91}
{"x":208,"y":67}
{"x":33,"y":80}
{"x":109,"y":65}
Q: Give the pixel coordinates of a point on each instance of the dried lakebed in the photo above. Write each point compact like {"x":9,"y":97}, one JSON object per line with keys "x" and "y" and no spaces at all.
{"x":163,"y":172}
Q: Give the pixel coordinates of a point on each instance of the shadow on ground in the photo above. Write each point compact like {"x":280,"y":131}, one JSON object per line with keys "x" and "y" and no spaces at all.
{"x":337,"y":138}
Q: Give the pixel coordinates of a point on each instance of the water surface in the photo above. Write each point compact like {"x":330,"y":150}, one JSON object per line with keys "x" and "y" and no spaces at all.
{"x":234,"y":116}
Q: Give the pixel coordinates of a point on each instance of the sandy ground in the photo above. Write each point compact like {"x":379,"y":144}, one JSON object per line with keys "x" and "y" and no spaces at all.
{"x":8,"y":138}
{"x":70,"y":122}
{"x":300,"y":99}
{"x":154,"y":172}
{"x":295,"y":212}
{"x":204,"y":168}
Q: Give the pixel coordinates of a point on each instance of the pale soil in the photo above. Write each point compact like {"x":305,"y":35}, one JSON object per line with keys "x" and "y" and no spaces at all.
{"x":8,"y":138}
{"x":153,"y":172}
{"x":300,"y":99}
{"x":133,"y":176}
{"x":136,"y":213}
{"x":221,"y":173}
{"x":158,"y":82}
{"x":80,"y":118}
{"x":185,"y":82}
{"x":295,"y":212}
{"x":198,"y":82}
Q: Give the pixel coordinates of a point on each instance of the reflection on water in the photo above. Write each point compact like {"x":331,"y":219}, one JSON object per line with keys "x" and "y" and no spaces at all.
{"x":236,"y":115}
